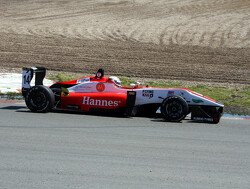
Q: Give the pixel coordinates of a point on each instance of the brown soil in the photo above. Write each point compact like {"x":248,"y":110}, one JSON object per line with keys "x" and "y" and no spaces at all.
{"x":204,"y":41}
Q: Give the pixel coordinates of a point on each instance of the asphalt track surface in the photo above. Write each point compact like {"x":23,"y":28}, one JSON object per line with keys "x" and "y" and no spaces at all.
{"x":66,"y":150}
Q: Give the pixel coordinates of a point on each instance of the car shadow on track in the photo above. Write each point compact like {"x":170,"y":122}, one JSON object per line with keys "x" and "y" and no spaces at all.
{"x":75,"y":112}
{"x":186,"y":120}
{"x":12,"y":107}
{"x":156,"y":118}
{"x":72,"y":112}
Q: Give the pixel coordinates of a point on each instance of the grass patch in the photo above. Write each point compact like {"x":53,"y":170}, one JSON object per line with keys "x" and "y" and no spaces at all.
{"x":61,"y":77}
{"x":126,"y":81}
{"x":12,"y":96}
{"x":163,"y":84}
{"x":229,"y":97}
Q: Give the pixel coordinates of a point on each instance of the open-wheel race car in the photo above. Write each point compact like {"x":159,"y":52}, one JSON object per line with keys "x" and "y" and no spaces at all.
{"x":100,"y":94}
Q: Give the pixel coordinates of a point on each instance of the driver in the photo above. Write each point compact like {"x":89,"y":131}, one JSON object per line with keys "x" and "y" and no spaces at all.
{"x":115,"y":80}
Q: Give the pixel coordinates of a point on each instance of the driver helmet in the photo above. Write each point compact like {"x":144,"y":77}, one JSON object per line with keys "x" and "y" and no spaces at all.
{"x":115,"y":80}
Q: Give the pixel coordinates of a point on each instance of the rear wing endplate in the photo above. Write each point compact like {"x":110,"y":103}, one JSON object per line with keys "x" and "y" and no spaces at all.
{"x":27,"y":76}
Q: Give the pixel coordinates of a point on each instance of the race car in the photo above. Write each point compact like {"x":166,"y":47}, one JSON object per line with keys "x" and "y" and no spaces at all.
{"x":100,"y":94}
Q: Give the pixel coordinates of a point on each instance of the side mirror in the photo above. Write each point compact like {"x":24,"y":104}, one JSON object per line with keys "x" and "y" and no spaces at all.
{"x":135,"y":85}
{"x":132,"y":85}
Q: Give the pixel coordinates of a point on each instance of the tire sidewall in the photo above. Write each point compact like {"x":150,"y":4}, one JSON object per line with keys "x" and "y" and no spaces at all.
{"x":181,"y":102}
{"x":48,"y":95}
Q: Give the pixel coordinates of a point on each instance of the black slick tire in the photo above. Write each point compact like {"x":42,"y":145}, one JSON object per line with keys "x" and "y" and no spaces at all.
{"x":174,"y":108}
{"x":40,"y":99}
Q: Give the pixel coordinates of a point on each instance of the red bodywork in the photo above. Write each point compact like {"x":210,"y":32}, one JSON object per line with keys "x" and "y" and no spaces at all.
{"x":100,"y":99}
{"x":85,"y":101}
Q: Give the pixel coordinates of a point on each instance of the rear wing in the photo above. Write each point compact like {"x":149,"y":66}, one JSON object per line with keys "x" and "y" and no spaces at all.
{"x":27,"y":76}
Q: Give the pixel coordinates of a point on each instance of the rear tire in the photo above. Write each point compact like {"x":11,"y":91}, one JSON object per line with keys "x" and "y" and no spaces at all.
{"x":40,"y":99}
{"x":174,"y":108}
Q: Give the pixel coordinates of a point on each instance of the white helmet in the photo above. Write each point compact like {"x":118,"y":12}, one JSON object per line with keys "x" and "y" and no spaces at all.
{"x":115,"y":80}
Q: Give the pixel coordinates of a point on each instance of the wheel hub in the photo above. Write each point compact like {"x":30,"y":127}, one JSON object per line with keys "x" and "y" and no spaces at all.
{"x":174,"y":109}
{"x":38,"y":99}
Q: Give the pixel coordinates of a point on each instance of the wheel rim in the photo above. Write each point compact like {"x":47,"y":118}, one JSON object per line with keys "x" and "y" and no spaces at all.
{"x":174,"y":109}
{"x":38,"y":99}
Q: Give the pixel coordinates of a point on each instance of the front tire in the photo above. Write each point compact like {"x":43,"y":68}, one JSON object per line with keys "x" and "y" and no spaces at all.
{"x":40,"y":99}
{"x":174,"y":108}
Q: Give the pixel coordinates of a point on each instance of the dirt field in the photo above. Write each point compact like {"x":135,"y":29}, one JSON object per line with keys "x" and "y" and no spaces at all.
{"x":187,"y":40}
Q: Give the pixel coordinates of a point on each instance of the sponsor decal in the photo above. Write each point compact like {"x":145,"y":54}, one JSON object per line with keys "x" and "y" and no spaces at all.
{"x":73,"y":106}
{"x":100,"y":87}
{"x":97,"y":102}
{"x":203,"y":119}
{"x":131,"y":93}
{"x":170,"y":93}
{"x":83,"y":80}
{"x":99,"y":75}
{"x":27,"y":77}
{"x":197,"y":101}
{"x":86,"y":87}
{"x":148,"y":93}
